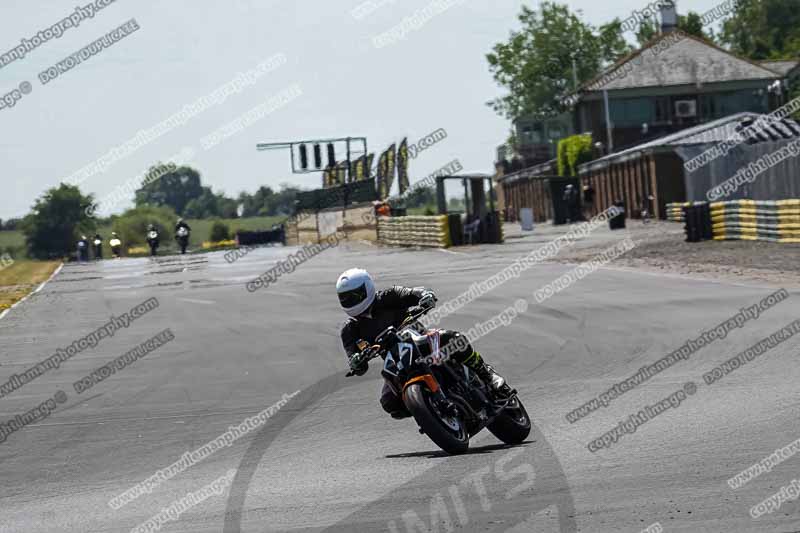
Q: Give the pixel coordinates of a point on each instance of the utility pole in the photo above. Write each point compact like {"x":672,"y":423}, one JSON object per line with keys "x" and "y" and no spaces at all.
{"x":609,"y":128}
{"x":574,"y":75}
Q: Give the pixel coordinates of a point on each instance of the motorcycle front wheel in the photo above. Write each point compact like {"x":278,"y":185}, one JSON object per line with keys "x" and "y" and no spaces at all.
{"x":445,"y":430}
{"x":512,"y":425}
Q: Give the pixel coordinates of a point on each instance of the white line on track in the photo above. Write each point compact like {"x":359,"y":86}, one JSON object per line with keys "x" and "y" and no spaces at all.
{"x":40,"y":287}
{"x":445,"y":250}
{"x":287,"y":294}
{"x":204,"y":302}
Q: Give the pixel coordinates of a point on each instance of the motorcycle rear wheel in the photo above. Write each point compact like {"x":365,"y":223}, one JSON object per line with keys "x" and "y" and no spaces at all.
{"x":448,"y":433}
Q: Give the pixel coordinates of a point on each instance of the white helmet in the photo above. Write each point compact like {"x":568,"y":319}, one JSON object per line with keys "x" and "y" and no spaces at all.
{"x":356,"y":291}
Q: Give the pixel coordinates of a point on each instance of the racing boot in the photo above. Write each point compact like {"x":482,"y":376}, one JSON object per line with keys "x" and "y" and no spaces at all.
{"x":497,"y":383}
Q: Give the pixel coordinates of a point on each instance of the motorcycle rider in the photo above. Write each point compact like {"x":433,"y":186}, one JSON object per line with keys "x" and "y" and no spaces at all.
{"x":182,"y":224}
{"x":371,"y":311}
{"x":98,"y":246}
{"x":182,"y":240}
{"x":83,"y":249}
{"x":152,"y":240}
{"x":116,"y":244}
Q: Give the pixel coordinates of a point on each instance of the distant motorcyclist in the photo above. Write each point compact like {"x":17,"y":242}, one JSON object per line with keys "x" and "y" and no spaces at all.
{"x":372,"y":311}
{"x":182,"y":231}
{"x":98,"y":246}
{"x":182,"y":224}
{"x":83,"y":249}
{"x":152,"y":238}
{"x":116,"y":245}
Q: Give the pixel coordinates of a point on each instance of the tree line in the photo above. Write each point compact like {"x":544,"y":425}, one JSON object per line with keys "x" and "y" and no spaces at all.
{"x":183,"y":191}
{"x":63,"y":213}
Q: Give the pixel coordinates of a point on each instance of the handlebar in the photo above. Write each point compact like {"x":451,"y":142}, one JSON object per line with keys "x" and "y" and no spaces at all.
{"x":411,"y":318}
{"x":374,"y":351}
{"x":367,"y":355}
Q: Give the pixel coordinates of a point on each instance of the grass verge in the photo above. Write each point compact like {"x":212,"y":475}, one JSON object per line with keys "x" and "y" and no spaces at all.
{"x":21,"y":278}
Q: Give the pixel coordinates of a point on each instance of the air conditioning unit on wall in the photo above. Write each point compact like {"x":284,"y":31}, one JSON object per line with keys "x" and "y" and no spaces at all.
{"x":686,"y":108}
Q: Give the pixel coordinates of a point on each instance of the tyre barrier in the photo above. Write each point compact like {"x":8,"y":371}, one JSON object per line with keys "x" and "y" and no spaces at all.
{"x":697,"y":218}
{"x":752,"y":220}
{"x":675,"y":210}
{"x":432,"y":231}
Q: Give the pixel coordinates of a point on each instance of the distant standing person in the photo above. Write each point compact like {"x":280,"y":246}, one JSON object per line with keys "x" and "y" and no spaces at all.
{"x":588,"y":200}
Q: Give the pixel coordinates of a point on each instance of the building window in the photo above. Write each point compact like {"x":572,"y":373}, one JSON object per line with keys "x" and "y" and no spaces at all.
{"x":729,"y":103}
{"x":532,"y":134}
{"x":632,"y":111}
{"x":708,"y":107}
{"x":663,"y":108}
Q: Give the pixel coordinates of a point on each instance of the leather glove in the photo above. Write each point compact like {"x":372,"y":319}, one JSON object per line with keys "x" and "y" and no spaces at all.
{"x":358,"y":366}
{"x":427,"y":300}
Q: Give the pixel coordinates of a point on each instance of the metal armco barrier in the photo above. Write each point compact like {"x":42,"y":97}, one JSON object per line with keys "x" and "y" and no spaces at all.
{"x":340,"y":196}
{"x":774,"y":221}
{"x":431,"y":231}
{"x":244,"y":238}
{"x":697,"y":219}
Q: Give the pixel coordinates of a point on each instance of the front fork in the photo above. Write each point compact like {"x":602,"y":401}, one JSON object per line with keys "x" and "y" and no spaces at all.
{"x":438,"y":397}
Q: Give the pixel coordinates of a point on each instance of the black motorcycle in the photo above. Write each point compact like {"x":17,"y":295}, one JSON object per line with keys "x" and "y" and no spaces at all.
{"x":449,"y":402}
{"x":182,"y":236}
{"x":152,"y":241}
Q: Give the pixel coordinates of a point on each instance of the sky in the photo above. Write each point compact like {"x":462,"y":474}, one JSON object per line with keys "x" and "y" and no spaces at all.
{"x":339,"y":72}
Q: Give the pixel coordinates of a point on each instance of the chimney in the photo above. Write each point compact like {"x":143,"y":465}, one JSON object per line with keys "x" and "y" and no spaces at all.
{"x":669,"y":15}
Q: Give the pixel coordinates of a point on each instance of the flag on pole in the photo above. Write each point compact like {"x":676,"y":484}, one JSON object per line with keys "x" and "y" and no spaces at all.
{"x":390,"y":164}
{"x":382,"y":170}
{"x":360,"y":171}
{"x":370,"y":159}
{"x":402,"y":166}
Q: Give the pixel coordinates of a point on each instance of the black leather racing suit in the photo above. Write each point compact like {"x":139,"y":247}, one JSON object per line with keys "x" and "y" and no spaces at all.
{"x":390,"y":308}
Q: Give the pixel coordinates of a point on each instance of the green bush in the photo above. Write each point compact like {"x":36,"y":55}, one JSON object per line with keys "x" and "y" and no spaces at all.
{"x":219,"y":232}
{"x":561,"y":157}
{"x":572,"y":152}
{"x":56,"y":220}
{"x":131,"y":226}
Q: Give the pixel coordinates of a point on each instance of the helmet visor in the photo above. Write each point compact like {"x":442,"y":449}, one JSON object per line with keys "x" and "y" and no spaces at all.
{"x":353,"y":297}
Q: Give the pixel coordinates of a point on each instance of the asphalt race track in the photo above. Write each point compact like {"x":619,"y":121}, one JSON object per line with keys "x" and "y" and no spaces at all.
{"x":331,"y":460}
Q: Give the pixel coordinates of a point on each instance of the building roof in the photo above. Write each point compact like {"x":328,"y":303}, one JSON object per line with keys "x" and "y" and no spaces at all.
{"x":677,"y":58}
{"x":548,"y":168}
{"x":708,"y":133}
{"x":782,"y":67}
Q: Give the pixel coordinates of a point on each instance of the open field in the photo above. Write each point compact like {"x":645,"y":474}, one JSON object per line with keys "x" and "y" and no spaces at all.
{"x":12,"y":239}
{"x":200,"y":232}
{"x":201,"y":229}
